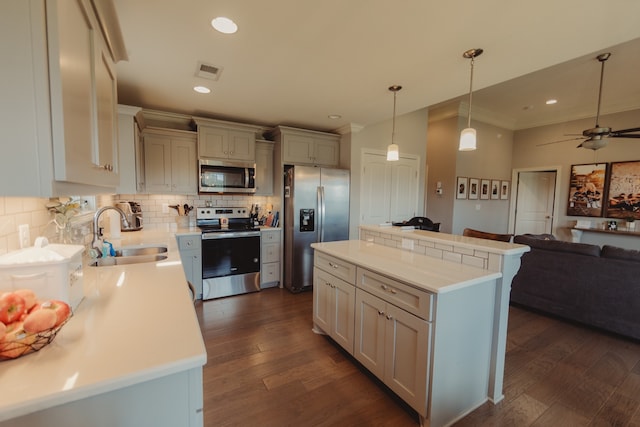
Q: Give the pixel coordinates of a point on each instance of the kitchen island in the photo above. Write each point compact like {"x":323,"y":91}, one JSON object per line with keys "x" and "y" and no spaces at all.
{"x":424,"y":325}
{"x":131,"y":355}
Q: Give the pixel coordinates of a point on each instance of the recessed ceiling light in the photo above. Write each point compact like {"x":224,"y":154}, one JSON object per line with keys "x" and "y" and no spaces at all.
{"x":224,"y":25}
{"x":551,"y":101}
{"x":202,"y":89}
{"x":334,"y":116}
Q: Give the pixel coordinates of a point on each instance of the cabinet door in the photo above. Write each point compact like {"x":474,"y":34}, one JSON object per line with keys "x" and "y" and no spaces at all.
{"x":71,"y":69}
{"x":343,"y":321}
{"x":407,"y":356}
{"x":241,"y":146}
{"x":264,"y":169}
{"x":326,"y":153}
{"x":157,"y":163}
{"x":370,"y":332}
{"x":322,"y":300}
{"x":298,"y":149}
{"x":184,"y":166}
{"x":212,"y":142}
{"x":106,"y":115}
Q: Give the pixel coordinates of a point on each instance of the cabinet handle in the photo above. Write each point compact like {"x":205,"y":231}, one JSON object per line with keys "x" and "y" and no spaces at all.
{"x":108,"y":167}
{"x":327,"y":283}
{"x":380,"y":313}
{"x":389,"y":317}
{"x":387,"y":289}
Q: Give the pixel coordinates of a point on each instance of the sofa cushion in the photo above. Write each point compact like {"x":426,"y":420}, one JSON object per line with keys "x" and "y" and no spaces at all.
{"x":620,"y":253}
{"x":558,"y":245}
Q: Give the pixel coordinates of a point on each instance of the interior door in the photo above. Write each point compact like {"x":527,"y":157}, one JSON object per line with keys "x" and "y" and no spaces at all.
{"x":534,"y":202}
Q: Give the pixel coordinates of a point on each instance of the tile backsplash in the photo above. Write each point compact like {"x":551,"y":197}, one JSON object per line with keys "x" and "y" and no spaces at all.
{"x":15,"y":211}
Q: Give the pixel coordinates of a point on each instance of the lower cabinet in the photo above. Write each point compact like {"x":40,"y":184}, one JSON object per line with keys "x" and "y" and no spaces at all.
{"x":333,"y":307}
{"x":190,"y":247}
{"x":394,"y":346}
{"x":270,"y":248}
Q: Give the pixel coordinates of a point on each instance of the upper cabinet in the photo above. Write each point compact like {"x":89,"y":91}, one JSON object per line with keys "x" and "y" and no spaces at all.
{"x":170,"y":161}
{"x":59,"y":106}
{"x":264,"y":168}
{"x":305,"y":147}
{"x":226,"y":140}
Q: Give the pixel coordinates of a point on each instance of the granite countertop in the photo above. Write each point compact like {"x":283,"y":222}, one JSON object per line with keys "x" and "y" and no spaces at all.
{"x":420,"y":271}
{"x":136,"y":323}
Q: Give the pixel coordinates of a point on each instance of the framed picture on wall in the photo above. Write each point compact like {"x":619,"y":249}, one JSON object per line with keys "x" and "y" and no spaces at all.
{"x":474,"y":188}
{"x":504,"y":190}
{"x":485,"y":189}
{"x":623,"y":199}
{"x":461,"y":187}
{"x":586,"y":189}
{"x":495,"y":189}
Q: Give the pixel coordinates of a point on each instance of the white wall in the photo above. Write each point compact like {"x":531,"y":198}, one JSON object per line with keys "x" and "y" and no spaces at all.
{"x":527,"y":154}
{"x":411,"y":137}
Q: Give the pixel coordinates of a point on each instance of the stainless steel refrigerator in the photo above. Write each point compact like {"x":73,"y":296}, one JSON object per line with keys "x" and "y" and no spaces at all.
{"x":316,"y":209}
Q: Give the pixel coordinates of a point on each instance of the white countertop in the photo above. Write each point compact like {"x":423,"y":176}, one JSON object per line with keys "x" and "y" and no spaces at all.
{"x":136,"y":323}
{"x":492,"y":246}
{"x":420,"y":271}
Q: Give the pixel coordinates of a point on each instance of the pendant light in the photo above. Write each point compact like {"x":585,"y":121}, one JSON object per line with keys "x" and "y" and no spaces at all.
{"x":393,"y":152}
{"x":468,"y":135}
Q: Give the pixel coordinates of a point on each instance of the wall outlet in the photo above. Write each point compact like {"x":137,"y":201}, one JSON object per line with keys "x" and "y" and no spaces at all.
{"x":407,"y":244}
{"x":23,"y":236}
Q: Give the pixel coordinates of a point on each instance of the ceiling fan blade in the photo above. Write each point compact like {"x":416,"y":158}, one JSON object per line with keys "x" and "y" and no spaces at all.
{"x":561,"y":140}
{"x":617,"y":132}
{"x":615,"y":135}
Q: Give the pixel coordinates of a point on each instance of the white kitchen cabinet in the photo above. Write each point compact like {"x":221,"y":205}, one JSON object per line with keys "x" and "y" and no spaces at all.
{"x":264,"y":168}
{"x":333,"y":307}
{"x":59,"y":98}
{"x":394,"y":345}
{"x":388,"y":190}
{"x":305,"y":147}
{"x":270,"y":249}
{"x":226,"y":140}
{"x":190,"y":246}
{"x":131,"y":160}
{"x":171,"y":161}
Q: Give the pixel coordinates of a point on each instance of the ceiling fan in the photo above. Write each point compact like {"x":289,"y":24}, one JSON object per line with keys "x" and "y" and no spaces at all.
{"x":598,"y":136}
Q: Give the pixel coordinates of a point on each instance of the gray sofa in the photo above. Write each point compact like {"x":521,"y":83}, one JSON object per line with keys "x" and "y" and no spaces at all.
{"x":581,"y":282}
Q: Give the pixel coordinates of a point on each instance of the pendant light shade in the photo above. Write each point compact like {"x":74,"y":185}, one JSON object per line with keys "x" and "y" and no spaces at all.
{"x":468,"y":135}
{"x":393,"y":151}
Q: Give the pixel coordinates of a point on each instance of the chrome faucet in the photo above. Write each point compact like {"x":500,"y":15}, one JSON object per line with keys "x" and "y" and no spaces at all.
{"x":97,"y":231}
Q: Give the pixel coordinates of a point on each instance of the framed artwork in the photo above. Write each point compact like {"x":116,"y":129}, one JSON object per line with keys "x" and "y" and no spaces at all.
{"x":586,"y":189}
{"x":504,"y":190}
{"x":474,"y":188}
{"x":461,"y":187}
{"x":495,"y":189}
{"x":624,"y":191}
{"x":485,"y":185}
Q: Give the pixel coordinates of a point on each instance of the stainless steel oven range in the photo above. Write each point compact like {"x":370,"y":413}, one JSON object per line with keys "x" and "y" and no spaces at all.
{"x":230,"y":252}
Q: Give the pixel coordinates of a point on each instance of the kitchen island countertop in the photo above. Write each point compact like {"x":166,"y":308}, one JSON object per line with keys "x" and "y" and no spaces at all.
{"x":136,"y":323}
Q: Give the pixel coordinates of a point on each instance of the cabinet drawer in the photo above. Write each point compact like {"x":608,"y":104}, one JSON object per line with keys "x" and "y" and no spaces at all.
{"x":413,"y":300}
{"x":189,"y":242}
{"x":270,"y":252}
{"x":270,"y":272}
{"x":336,"y":266}
{"x":270,"y":236}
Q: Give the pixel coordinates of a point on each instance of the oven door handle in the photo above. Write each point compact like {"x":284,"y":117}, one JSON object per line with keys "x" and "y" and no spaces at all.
{"x":321,"y":213}
{"x":229,"y":235}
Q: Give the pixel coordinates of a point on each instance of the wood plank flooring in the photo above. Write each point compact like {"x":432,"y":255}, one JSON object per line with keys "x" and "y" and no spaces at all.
{"x":266,"y":367}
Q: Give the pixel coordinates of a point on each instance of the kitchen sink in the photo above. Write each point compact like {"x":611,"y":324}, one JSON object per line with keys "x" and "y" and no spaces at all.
{"x":132,"y":255}
{"x":140,"y":250}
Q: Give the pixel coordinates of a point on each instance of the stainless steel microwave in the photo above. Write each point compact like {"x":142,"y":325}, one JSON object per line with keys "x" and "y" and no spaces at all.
{"x":222,"y":176}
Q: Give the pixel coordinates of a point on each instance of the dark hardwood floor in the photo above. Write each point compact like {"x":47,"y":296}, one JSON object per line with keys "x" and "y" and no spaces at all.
{"x":266,"y":367}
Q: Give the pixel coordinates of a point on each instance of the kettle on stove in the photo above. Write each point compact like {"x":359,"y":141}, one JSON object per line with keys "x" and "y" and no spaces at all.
{"x":133,"y":212}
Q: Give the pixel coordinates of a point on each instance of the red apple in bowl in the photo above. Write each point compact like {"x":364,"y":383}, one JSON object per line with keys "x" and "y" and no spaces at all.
{"x":28,"y":296}
{"x":40,"y":320}
{"x":16,"y":342}
{"x":60,"y":308}
{"x":12,"y":306}
{"x":3,"y":330}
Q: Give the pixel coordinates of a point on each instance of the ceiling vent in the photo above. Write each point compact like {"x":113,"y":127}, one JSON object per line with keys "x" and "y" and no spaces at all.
{"x":208,"y":71}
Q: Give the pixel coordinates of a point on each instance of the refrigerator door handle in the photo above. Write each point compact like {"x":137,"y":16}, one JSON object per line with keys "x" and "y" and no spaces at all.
{"x":321,"y":212}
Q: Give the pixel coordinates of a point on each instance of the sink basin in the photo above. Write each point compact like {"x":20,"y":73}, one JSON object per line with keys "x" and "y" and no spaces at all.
{"x":132,"y":255}
{"x":140,"y":250}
